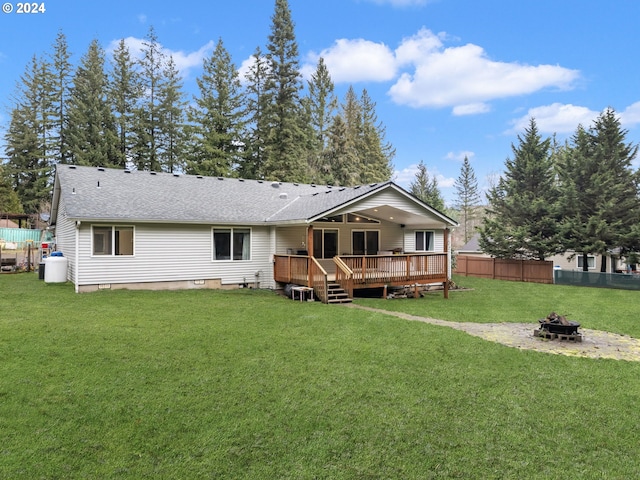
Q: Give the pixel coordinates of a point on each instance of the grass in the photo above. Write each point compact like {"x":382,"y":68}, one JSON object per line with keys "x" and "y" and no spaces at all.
{"x":246,"y":384}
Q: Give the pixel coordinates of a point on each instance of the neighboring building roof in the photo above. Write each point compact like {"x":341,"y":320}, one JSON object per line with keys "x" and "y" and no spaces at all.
{"x":106,"y":194}
{"x":472,"y":246}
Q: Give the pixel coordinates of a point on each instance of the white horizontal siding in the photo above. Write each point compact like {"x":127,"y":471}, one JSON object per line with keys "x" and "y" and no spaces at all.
{"x":166,"y":253}
{"x":66,"y":240}
{"x":438,"y":239}
{"x":291,"y":239}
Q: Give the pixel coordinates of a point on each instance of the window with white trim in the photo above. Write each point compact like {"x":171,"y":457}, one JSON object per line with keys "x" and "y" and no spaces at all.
{"x":112,"y":240}
{"x":231,"y":244}
{"x":424,"y":241}
{"x":591,"y":262}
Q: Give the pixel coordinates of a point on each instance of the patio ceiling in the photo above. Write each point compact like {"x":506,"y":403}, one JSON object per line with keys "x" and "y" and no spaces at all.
{"x":391,"y":214}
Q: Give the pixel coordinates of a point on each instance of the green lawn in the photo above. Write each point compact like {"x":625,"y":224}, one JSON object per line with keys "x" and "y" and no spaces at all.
{"x":246,"y":384}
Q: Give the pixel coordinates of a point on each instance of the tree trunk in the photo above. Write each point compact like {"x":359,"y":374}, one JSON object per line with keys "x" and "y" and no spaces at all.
{"x":585,"y":263}
{"x":603,"y":264}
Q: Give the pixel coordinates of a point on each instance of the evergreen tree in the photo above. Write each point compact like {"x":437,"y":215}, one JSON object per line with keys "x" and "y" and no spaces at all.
{"x":376,"y":154}
{"x":92,"y":136}
{"x":425,"y":187}
{"x":340,"y":155}
{"x":523,"y":215}
{"x":147,"y":115}
{"x":600,"y":200}
{"x":345,"y":154}
{"x":171,"y":134}
{"x":124,"y":93}
{"x":9,"y":200}
{"x":254,"y":155}
{"x":284,"y":143}
{"x":28,"y":138}
{"x":217,"y":118}
{"x":61,"y":84}
{"x":321,"y":104}
{"x":467,"y":197}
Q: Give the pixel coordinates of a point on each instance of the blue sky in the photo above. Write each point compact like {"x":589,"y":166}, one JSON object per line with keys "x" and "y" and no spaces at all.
{"x":450,"y":77}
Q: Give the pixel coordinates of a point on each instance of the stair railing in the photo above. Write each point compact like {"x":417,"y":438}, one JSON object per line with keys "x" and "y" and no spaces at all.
{"x":318,"y":280}
{"x":344,"y":275}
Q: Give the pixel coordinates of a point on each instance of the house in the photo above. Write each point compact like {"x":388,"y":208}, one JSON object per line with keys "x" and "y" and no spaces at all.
{"x":569,"y":260}
{"x":134,"y":229}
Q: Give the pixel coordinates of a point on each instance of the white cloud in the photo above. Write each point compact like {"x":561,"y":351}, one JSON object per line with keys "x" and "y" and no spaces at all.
{"x":428,"y":74}
{"x":471,"y":109}
{"x":555,"y":118}
{"x":357,"y":60}
{"x":631,"y":115}
{"x":184,"y":61}
{"x":407,"y":175}
{"x":465,"y":77}
{"x":142,"y":18}
{"x":460,"y":156}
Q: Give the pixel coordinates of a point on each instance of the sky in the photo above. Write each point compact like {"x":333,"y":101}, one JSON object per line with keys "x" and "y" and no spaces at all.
{"x":450,"y":78}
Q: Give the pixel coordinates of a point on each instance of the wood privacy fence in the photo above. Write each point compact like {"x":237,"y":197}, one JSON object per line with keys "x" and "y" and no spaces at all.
{"x":535,"y":271}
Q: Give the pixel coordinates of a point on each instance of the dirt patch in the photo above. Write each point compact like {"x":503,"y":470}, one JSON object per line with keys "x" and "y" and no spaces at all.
{"x":595,"y":343}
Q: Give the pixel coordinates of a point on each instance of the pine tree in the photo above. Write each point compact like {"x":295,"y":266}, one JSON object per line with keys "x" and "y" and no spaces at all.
{"x":217,"y":118}
{"x":376,"y":155}
{"x":92,"y":136}
{"x":147,"y":115}
{"x":255,"y":140}
{"x":321,"y":104}
{"x":523,"y":215}
{"x":9,"y":200}
{"x":284,"y":144}
{"x":346,"y":158}
{"x":341,"y":155}
{"x":468,"y":197}
{"x":425,"y":187}
{"x":61,"y":83}
{"x":171,"y":134}
{"x":124,"y":94}
{"x":28,"y":138}
{"x":600,"y":200}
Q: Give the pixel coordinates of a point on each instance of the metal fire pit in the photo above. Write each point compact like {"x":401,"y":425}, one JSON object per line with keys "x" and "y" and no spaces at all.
{"x":556,"y":326}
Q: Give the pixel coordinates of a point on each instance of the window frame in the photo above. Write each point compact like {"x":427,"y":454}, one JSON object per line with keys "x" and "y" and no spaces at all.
{"x":114,"y":241}
{"x":232,"y":231}
{"x":322,"y":248}
{"x":591,"y":259}
{"x":432,"y":234}
{"x":365,"y":233}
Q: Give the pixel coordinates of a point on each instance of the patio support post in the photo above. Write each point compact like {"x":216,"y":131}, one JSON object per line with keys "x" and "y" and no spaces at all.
{"x":310,"y":240}
{"x":446,"y":263}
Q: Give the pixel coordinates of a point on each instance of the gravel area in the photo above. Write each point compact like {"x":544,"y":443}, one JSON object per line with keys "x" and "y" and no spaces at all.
{"x":595,"y":343}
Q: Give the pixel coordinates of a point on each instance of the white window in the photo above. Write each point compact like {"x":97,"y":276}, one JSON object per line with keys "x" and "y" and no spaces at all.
{"x":591,"y":262}
{"x":112,"y":240}
{"x":232,"y":244}
{"x":424,"y":241}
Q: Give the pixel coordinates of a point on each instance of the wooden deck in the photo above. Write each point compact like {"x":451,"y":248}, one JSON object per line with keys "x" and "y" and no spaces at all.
{"x":363,"y":271}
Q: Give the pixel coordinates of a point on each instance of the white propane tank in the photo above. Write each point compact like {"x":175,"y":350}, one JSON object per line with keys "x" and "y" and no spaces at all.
{"x":55,"y":270}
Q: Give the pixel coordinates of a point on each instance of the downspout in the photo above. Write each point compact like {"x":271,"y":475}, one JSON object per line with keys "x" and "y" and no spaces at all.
{"x":76,"y":274}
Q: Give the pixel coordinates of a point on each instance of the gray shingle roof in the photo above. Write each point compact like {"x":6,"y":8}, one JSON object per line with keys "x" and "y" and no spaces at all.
{"x":91,"y":193}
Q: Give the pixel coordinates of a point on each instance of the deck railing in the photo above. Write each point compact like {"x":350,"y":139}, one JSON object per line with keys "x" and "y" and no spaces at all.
{"x":363,"y":271}
{"x":301,"y":270}
{"x":344,"y":275}
{"x":379,"y":270}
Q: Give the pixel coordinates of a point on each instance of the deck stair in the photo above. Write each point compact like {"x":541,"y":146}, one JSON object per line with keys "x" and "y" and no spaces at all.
{"x":336,"y":294}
